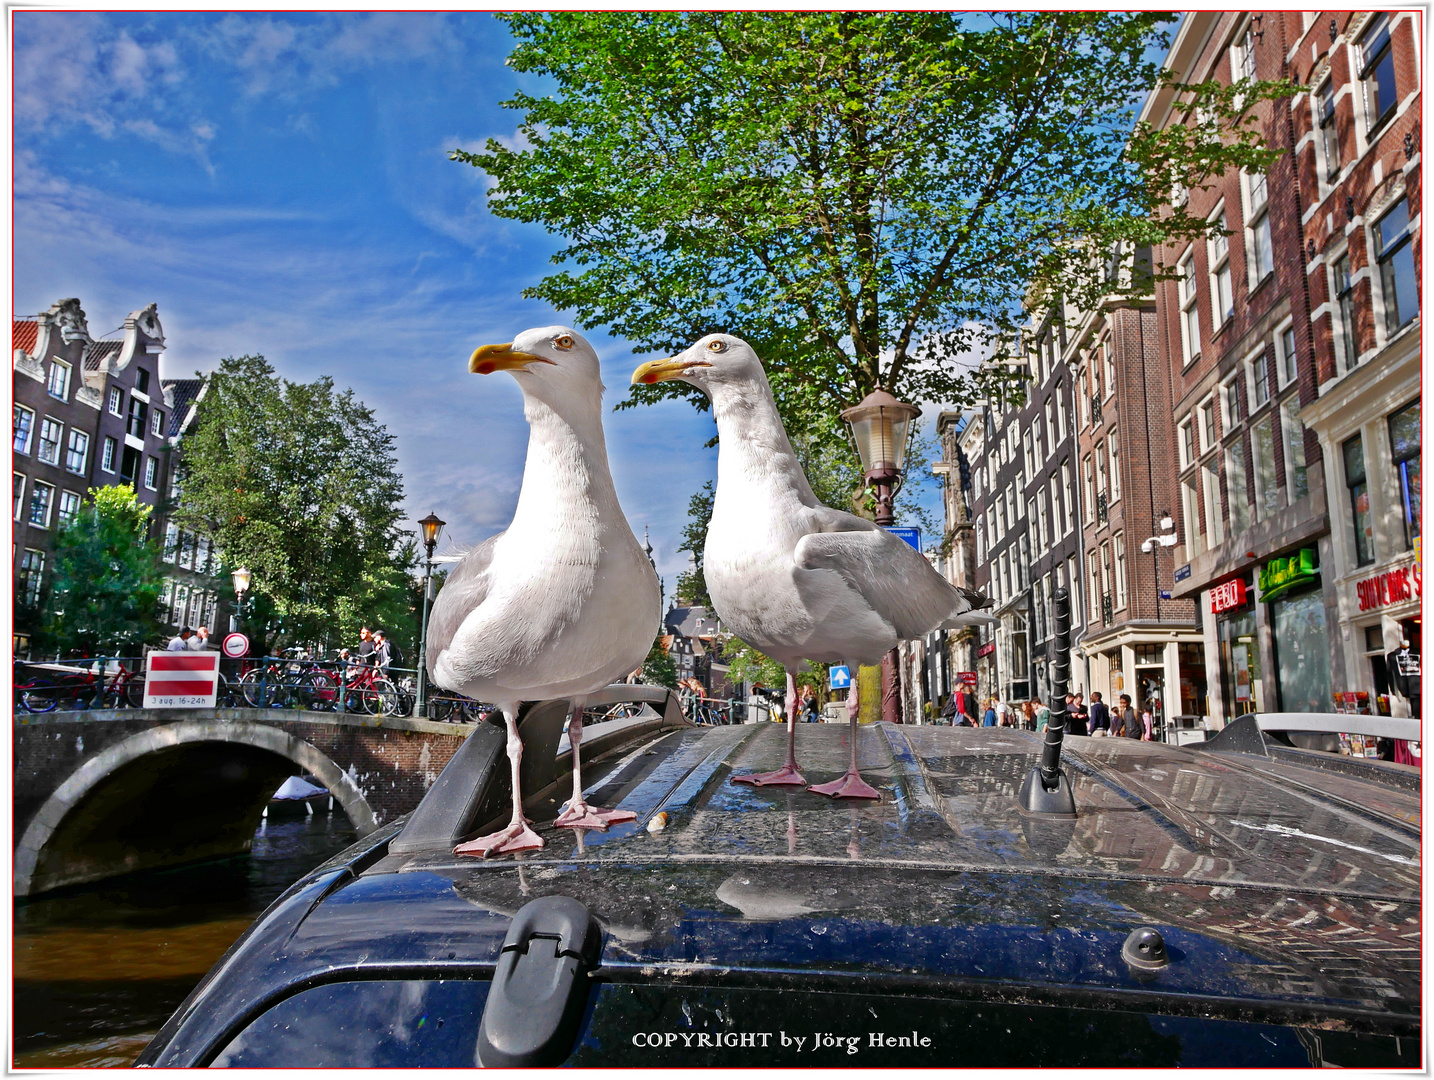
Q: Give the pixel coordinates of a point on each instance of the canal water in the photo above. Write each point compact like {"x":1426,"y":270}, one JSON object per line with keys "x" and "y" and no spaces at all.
{"x":99,"y":968}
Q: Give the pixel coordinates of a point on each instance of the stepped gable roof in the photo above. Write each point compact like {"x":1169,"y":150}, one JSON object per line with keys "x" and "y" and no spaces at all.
{"x":97,"y":352}
{"x":26,"y":333}
{"x":184,"y":392}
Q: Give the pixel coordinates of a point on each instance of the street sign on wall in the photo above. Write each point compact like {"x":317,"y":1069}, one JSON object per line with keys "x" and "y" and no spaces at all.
{"x":911,"y":536}
{"x":181,"y":680}
{"x":839,"y":677}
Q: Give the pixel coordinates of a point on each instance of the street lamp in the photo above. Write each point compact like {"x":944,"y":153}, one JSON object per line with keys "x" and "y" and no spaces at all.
{"x":241,"y":586}
{"x":432,"y":526}
{"x":879,"y":423}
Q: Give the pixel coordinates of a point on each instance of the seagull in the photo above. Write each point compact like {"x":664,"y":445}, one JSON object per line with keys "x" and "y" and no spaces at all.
{"x":796,"y":579}
{"x":564,"y":602}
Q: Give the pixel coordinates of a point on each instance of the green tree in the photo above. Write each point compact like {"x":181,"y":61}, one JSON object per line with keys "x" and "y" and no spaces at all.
{"x":658,"y":669}
{"x":691,"y":588}
{"x":104,"y":594}
{"x":869,"y":198}
{"x":298,"y":481}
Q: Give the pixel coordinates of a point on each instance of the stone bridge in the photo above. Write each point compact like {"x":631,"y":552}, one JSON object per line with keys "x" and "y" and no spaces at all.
{"x":101,"y":793}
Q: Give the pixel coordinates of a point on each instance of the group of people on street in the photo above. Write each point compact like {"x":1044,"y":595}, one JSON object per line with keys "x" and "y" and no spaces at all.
{"x":188,"y":640}
{"x":373,"y":650}
{"x":1099,"y":719}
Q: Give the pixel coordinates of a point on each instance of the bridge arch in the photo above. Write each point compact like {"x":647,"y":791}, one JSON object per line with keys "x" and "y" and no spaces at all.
{"x":102,"y":770}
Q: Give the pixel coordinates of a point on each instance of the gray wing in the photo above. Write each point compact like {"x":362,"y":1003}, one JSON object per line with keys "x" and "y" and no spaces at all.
{"x":892,"y":577}
{"x":465,"y":588}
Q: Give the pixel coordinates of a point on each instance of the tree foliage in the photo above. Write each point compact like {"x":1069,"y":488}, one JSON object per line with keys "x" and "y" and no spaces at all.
{"x":658,"y":669}
{"x":104,"y":594}
{"x":869,"y":198}
{"x":298,"y":481}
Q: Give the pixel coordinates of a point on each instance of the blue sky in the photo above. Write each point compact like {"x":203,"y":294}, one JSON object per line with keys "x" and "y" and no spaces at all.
{"x":279,"y":184}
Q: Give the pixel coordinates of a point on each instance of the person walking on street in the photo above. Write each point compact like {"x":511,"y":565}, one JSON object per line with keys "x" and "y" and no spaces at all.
{"x":1147,"y":723}
{"x":1099,"y":714}
{"x":180,"y":641}
{"x":364,"y":653}
{"x":1028,"y":716}
{"x":382,"y":654}
{"x":1125,"y":722}
{"x":1003,"y":714}
{"x":812,"y":714}
{"x":989,"y":719}
{"x":200,"y":641}
{"x":1043,"y":715}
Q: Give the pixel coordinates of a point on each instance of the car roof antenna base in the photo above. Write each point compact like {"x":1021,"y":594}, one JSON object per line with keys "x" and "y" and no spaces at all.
{"x":1047,"y":789}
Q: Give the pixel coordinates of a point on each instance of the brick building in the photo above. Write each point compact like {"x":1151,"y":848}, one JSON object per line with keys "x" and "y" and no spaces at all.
{"x":1262,"y":325}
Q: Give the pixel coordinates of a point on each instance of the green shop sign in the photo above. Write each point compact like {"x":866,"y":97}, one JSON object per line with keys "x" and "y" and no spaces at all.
{"x":1279,"y":576}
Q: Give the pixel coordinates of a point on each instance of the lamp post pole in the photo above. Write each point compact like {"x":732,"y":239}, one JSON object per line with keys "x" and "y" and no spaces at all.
{"x":432,"y":525}
{"x":879,"y":425}
{"x":241,"y":586}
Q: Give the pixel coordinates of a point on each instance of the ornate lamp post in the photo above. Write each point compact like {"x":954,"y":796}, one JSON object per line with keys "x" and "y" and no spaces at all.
{"x":432,"y":526}
{"x":879,"y":425}
{"x":241,"y":586}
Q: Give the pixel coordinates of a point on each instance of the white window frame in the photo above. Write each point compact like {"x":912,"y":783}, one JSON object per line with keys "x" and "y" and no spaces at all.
{"x":151,"y":472}
{"x":1267,"y":480}
{"x":1189,"y":450}
{"x":76,"y":435}
{"x":1107,"y":360}
{"x":1255,"y":363}
{"x":19,"y":492}
{"x":1190,"y":504}
{"x":1209,"y":437}
{"x":1242,"y":54}
{"x":1222,"y":285}
{"x":1112,"y":447}
{"x":1067,"y":496}
{"x":1214,"y":520}
{"x":1087,"y":478}
{"x":62,"y":369}
{"x":1230,"y":402}
{"x":1118,"y":548}
{"x":1260,"y":262}
{"x":1292,"y":432}
{"x":24,"y":448}
{"x":156,"y":423}
{"x":1239,"y":505}
{"x":44,"y":522}
{"x":58,"y":442}
{"x":1346,"y":337}
{"x":1188,"y":289}
{"x":107,"y":458}
{"x":26,"y":588}
{"x":1286,"y":358}
{"x":73,"y":500}
{"x":116,"y":405}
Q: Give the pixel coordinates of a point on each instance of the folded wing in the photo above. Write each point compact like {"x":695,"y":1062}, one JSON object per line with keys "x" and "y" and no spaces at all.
{"x":465,"y":588}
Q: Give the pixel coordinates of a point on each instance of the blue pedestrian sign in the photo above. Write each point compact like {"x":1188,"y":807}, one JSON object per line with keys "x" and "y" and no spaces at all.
{"x":911,"y":536}
{"x":841,"y":678}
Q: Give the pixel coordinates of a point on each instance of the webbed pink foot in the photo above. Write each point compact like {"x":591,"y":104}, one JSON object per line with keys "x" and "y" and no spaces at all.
{"x":516,"y":837}
{"x":582,"y":816}
{"x":787,"y":774}
{"x":849,"y":786}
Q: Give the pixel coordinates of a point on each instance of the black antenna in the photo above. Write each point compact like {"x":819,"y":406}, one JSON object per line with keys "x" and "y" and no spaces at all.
{"x":1047,"y":788}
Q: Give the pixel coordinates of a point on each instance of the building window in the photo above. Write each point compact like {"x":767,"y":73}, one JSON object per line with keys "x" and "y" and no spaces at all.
{"x":1395,"y":252}
{"x":181,"y":601}
{"x":59,"y":384}
{"x":1190,"y":503}
{"x":1296,"y":474}
{"x":1329,"y":130}
{"x":1074,"y":580}
{"x":1377,"y":72}
{"x":151,"y":470}
{"x":1189,"y":309}
{"x":1108,"y":358}
{"x":1356,"y":481}
{"x":1068,"y":495}
{"x":51,"y":432}
{"x":1214,"y":520}
{"x":1222,"y":291}
{"x":41,"y":497}
{"x":1230,"y":402}
{"x":1344,"y":293}
{"x":1097,"y":597}
{"x":1262,"y":447}
{"x":1086,"y":471}
{"x":1285,"y":363}
{"x":1114,"y":467}
{"x":24,"y":426}
{"x":1119,"y":570}
{"x":171,"y":542}
{"x":76,"y":451}
{"x":19,"y":494}
{"x":1056,"y":530}
{"x":1235,"y":488}
{"x":1258,"y":370}
{"x":156,"y":426}
{"x":980,"y":542}
{"x":1107,"y":601}
{"x":138,"y":410}
{"x":1188,"y":452}
{"x":1242,"y":54}
{"x":1043,"y":523}
{"x":1061,"y":412}
{"x":116,"y":402}
{"x":1405,"y":443}
{"x":1082,"y":399}
{"x":186,"y":550}
{"x":1261,"y":252}
{"x":32,"y":572}
{"x":1207,"y":425}
{"x":69,"y":508}
{"x":141,"y":381}
{"x":201,"y":556}
{"x":129,"y":465}
{"x":107,"y":459}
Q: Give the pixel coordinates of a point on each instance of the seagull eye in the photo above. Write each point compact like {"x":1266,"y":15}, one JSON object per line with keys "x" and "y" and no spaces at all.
{"x":717,"y":346}
{"x":563,"y":341}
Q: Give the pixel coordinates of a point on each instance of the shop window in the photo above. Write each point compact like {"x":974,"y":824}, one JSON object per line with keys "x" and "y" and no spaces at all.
{"x":1329,"y":130}
{"x":1399,"y":285}
{"x":1193,"y":693}
{"x":1344,"y":294}
{"x":1378,"y":665}
{"x":1214,"y":519}
{"x":1357,"y":483}
{"x":1239,"y":661}
{"x":24,"y":428}
{"x":1262,"y":449}
{"x":1285,"y":361}
{"x":1405,"y":443}
{"x":1235,"y":488}
{"x":1296,"y":472}
{"x":32,"y":573}
{"x":1222,"y":292}
{"x":1189,"y":307}
{"x":1377,"y":72}
{"x":1302,"y":653}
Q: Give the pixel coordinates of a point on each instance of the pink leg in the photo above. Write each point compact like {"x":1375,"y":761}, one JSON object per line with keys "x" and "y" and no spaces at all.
{"x":578,"y":814}
{"x":516,"y":836}
{"x":788,"y":773}
{"x":850,"y":786}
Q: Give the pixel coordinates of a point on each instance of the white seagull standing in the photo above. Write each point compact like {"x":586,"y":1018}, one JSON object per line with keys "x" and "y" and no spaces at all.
{"x":565,"y":601}
{"x":796,"y":579}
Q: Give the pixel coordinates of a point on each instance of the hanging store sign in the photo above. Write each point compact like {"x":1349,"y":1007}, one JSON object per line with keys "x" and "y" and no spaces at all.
{"x":1228,"y":595}
{"x":1281,"y":575}
{"x":1391,"y":587}
{"x":967,"y":678}
{"x":986,"y":649}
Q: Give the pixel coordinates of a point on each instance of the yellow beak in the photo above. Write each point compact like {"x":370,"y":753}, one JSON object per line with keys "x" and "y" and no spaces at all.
{"x":656,"y":371}
{"x":487,"y":359}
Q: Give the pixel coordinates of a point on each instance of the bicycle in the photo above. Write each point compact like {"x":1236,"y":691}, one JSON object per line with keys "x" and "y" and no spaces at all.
{"x":34,"y":695}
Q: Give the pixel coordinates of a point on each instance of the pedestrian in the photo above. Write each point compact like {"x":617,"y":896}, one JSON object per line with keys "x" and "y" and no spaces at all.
{"x":1080,"y":717}
{"x":180,"y":641}
{"x":1099,"y":714}
{"x":810,"y":712}
{"x":1147,"y":722}
{"x":947,"y":715}
{"x":364,"y":653}
{"x":1003,"y":714}
{"x":1043,"y":715}
{"x":989,"y":719}
{"x":1028,"y":716}
{"x":1125,"y":722}
{"x":382,"y":654}
{"x":200,"y":641}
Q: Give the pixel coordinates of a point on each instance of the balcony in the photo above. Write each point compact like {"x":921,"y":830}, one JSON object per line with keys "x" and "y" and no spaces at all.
{"x":1095,"y":408}
{"x":1101,"y":511}
{"x":1107,"y":610}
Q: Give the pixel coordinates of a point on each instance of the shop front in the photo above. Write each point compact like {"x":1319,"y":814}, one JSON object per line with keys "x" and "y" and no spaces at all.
{"x":1291,"y":586}
{"x":1233,"y":606}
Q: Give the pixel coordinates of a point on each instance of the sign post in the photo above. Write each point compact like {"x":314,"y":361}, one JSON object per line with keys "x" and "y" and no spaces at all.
{"x":839,"y":677}
{"x":181,"y":680}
